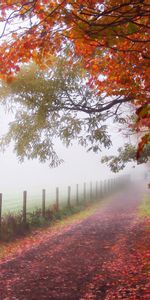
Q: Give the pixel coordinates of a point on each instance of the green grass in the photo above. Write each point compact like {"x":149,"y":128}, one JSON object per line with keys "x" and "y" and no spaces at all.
{"x":13,"y":226}
{"x":12,"y":204}
{"x":144,"y":208}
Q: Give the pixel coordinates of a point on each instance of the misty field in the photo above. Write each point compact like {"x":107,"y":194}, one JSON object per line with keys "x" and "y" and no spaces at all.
{"x":13,"y":202}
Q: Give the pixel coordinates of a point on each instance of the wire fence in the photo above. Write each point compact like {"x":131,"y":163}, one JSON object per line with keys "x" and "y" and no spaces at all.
{"x":59,"y":197}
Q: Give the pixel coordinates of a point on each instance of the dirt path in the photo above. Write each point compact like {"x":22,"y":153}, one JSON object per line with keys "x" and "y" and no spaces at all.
{"x":79,"y":263}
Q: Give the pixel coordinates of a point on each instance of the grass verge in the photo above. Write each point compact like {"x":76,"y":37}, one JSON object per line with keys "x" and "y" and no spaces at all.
{"x":144,"y":245}
{"x":13,"y":226}
{"x":144,"y":208}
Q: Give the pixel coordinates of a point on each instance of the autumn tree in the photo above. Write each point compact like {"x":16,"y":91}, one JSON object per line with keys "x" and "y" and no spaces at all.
{"x":111,"y":39}
{"x":55,"y":103}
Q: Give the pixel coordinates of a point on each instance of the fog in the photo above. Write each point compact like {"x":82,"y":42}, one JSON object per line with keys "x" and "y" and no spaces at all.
{"x":78,"y":167}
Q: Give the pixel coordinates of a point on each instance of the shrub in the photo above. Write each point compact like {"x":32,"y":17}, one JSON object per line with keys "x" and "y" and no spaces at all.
{"x":13,"y":225}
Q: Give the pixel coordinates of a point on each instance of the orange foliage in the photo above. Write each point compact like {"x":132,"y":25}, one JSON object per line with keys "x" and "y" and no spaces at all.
{"x":110,"y":37}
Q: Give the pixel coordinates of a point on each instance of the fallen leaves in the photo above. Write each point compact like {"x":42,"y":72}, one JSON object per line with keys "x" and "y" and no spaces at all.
{"x":127,"y":275}
{"x":17,"y":247}
{"x":104,"y":255}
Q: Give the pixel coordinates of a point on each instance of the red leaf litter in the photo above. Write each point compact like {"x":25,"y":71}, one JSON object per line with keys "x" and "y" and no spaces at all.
{"x":105,"y":256}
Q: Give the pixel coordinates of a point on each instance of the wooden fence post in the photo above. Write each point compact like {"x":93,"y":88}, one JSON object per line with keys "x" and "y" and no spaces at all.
{"x":0,"y":214}
{"x":111,"y":182}
{"x":100,"y":189}
{"x":106,"y":187}
{"x":77,"y":194}
{"x":43,"y":202}
{"x":57,"y":198}
{"x":102,"y":186}
{"x":96,"y":190}
{"x":84,"y":192}
{"x":103,"y":189}
{"x":91,"y":191}
{"x":69,"y":196}
{"x":109,"y":187}
{"x":24,"y":207}
{"x":114,"y":184}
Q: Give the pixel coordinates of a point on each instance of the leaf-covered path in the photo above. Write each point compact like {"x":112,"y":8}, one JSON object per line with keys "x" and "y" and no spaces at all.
{"x":96,"y":258}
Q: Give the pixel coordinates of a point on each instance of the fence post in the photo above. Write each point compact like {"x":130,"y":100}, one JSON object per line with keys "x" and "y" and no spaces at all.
{"x":24,"y":206}
{"x":43,"y":202}
{"x":114,"y":184}
{"x":0,"y":214}
{"x":69,"y":196}
{"x":91,"y":191}
{"x":57,"y":198}
{"x":105,"y":187}
{"x":100,"y":190}
{"x":109,"y":186}
{"x":84,"y":192}
{"x":96,"y":190}
{"x":77,"y":194}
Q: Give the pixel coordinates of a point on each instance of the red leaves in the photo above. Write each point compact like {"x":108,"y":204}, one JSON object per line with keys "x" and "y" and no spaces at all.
{"x":118,"y":50}
{"x":143,"y":124}
{"x":143,"y":113}
{"x":144,"y":140}
{"x":125,"y":275}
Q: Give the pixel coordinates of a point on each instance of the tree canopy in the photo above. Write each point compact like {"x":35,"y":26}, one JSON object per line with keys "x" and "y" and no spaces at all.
{"x":110,"y":38}
{"x":55,"y":103}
